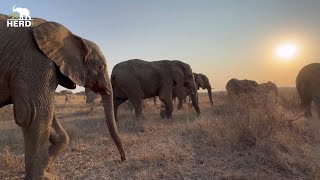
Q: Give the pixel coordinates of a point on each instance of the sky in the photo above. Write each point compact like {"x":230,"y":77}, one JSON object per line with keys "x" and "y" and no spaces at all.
{"x":222,"y":39}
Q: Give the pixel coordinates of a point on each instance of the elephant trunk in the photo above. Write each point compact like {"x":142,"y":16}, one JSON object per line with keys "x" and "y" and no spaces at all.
{"x":194,"y":98}
{"x":107,"y":100}
{"x":209,"y":89}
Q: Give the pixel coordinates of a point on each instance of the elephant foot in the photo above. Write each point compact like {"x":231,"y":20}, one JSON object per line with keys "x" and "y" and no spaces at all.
{"x":140,"y":118}
{"x":163,"y":114}
{"x":169,"y":116}
{"x":180,"y":106}
{"x":123,"y":157}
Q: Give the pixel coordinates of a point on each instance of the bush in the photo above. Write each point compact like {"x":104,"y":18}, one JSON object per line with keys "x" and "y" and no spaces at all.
{"x":265,"y":132}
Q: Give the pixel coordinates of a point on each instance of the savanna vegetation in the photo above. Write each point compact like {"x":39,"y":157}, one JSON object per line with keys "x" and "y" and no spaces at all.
{"x":245,"y":137}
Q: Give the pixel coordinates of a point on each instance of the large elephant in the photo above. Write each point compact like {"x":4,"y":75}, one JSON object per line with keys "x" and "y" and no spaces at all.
{"x":201,"y":80}
{"x":137,"y":79}
{"x":236,"y":86}
{"x":33,"y":61}
{"x":308,"y":87}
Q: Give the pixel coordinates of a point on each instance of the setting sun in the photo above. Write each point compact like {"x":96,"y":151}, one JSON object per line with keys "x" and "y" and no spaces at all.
{"x":287,"y":51}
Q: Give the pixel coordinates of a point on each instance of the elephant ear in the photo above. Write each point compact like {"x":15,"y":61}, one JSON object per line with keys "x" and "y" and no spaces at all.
{"x":178,"y":74}
{"x":65,"y":49}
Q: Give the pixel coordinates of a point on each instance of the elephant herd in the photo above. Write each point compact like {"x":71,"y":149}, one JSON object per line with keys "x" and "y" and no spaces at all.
{"x":236,"y":87}
{"x":35,"y":60}
{"x":136,"y":79}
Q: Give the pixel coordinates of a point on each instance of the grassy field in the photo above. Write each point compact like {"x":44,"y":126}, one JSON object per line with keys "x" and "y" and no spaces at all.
{"x":241,"y":138}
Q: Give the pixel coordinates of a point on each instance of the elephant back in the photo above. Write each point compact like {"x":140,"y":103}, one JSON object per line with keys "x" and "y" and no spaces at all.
{"x":38,"y":21}
{"x":237,"y":86}
{"x":232,"y":84}
{"x":268,"y":87}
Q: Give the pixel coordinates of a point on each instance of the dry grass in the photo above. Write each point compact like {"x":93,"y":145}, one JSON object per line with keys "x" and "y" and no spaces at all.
{"x":242,"y":138}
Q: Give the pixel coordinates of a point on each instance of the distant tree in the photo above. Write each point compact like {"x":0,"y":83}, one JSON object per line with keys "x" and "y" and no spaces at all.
{"x":91,"y":96}
{"x":63,"y":92}
{"x":80,"y":93}
{"x":14,"y":15}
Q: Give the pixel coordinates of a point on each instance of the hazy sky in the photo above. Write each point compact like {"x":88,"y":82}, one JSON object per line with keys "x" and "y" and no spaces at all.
{"x":220,"y":38}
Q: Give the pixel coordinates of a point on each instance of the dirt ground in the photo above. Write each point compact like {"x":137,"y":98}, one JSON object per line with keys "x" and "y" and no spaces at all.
{"x":246,"y":137}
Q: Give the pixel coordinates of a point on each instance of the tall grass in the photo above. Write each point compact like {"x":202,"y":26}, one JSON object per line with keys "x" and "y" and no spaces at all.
{"x":246,"y":137}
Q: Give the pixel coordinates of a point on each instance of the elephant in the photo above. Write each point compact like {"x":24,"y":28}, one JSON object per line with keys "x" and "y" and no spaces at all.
{"x":137,"y":79}
{"x":268,"y":87}
{"x":33,"y":62}
{"x":90,"y":96}
{"x":201,"y":80}
{"x":235,"y":86}
{"x":308,"y":87}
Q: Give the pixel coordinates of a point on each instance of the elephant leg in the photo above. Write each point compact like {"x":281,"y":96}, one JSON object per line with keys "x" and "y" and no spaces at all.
{"x":167,"y":100}
{"x":316,"y":101}
{"x":154,"y":101}
{"x":59,"y":141}
{"x":306,"y":103}
{"x":117,"y":103}
{"x":35,"y":123}
{"x":185,"y":99}
{"x":180,"y":103}
{"x":137,"y":104}
{"x":135,"y":94}
{"x":307,"y":112}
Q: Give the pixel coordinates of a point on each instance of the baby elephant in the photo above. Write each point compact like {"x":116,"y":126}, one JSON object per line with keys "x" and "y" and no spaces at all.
{"x":308,"y":87}
{"x":236,"y":86}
